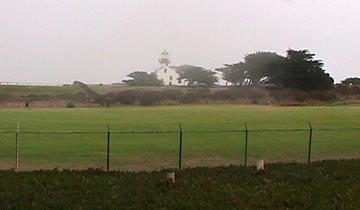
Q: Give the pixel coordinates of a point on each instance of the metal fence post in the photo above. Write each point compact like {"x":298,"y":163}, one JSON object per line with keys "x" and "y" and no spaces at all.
{"x":17,"y":148}
{"x":180,"y":146}
{"x":310,"y":140}
{"x":246,"y":143}
{"x":108,"y":150}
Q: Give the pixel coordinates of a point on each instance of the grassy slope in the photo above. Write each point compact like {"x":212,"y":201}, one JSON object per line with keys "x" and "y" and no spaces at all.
{"x":154,"y":151}
{"x":39,"y":90}
{"x":104,"y":89}
{"x":323,"y":185}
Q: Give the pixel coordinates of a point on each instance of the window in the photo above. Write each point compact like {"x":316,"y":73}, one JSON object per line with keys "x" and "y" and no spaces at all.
{"x":170,"y":77}
{"x":170,"y":83}
{"x":179,"y":81}
{"x":165,"y":70}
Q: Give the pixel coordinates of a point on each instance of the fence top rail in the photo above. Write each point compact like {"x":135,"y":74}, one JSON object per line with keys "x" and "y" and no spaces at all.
{"x":123,"y":131}
{"x":176,"y":131}
{"x":303,"y":129}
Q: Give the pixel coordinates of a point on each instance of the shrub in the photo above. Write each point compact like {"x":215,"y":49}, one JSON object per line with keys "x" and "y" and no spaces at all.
{"x":288,"y":95}
{"x":322,"y":96}
{"x":238,"y":93}
{"x":70,"y":105}
{"x":4,"y":96}
{"x":193,"y":95}
{"x":188,"y":98}
{"x":147,"y":98}
{"x":106,"y":102}
{"x":355,"y":90}
{"x":342,"y":90}
{"x":221,"y":95}
{"x":346,"y":91}
{"x":170,"y":95}
{"x":125,"y":97}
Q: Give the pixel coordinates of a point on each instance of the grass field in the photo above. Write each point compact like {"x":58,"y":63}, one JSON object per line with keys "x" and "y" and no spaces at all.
{"x":321,"y":185}
{"x":40,"y":90}
{"x":156,"y":151}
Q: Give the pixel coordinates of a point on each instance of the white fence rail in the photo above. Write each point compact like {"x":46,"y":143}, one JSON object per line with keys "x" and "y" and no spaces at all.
{"x":30,"y":84}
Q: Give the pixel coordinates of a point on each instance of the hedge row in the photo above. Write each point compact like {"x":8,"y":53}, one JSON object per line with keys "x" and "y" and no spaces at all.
{"x":266,"y":95}
{"x":321,"y":185}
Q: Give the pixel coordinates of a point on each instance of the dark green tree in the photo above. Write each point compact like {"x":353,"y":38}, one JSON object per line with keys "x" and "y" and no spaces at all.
{"x":195,"y":75}
{"x":298,"y":70}
{"x":141,"y":78}
{"x":351,"y":80}
{"x":302,"y":71}
{"x":233,"y":73}
{"x":258,"y":66}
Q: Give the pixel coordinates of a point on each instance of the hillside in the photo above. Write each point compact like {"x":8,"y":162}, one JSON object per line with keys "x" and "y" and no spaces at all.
{"x":13,"y":90}
{"x":82,"y":95}
{"x":41,"y":96}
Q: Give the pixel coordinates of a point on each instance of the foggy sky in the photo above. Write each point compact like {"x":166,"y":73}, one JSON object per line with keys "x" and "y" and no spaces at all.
{"x":102,"y":41}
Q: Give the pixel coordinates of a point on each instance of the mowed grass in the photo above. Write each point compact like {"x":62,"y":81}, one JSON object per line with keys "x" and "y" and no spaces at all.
{"x":155,"y":151}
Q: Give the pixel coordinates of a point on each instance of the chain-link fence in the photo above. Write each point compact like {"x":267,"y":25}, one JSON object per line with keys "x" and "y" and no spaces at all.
{"x":139,"y":150}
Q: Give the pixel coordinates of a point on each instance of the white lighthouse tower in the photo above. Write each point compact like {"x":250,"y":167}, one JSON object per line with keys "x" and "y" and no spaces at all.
{"x":167,"y":74}
{"x":164,"y":59}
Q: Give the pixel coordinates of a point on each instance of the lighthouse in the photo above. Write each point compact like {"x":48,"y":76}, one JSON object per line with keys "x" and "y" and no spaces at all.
{"x":167,"y":74}
{"x":164,"y":59}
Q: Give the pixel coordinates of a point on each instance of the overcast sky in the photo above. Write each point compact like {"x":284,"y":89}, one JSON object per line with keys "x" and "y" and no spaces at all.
{"x":101,"y":41}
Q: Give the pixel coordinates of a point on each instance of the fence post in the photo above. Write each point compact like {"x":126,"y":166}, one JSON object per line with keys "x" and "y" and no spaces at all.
{"x":310,"y":140}
{"x":180,"y":146}
{"x":17,"y":148}
{"x":108,"y":150}
{"x":246,"y":143}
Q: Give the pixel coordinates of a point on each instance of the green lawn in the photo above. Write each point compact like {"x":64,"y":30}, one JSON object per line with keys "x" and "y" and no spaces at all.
{"x":156,"y":151}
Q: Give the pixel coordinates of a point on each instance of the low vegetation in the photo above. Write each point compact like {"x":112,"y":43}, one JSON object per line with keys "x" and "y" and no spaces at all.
{"x":13,"y":90}
{"x":70,"y":105}
{"x":321,"y":185}
{"x":112,"y":95}
{"x":235,"y":95}
{"x":40,"y":96}
{"x":141,"y":78}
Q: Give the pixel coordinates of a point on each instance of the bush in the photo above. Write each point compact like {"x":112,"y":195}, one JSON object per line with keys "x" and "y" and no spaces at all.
{"x":4,"y":96}
{"x":288,"y":95}
{"x":355,"y":90}
{"x":322,"y":96}
{"x":147,"y":98}
{"x":70,"y":105}
{"x":106,"y":102}
{"x":238,"y":93}
{"x":194,"y":95}
{"x":124,"y":97}
{"x":188,"y":98}
{"x":244,"y":95}
{"x":342,"y":90}
{"x":335,"y":184}
{"x":346,"y":91}
{"x":170,"y":95}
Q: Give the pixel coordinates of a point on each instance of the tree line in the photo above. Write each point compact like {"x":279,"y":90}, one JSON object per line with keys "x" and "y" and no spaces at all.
{"x":298,"y":69}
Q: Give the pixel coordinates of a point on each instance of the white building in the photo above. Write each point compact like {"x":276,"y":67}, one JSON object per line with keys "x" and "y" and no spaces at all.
{"x":167,"y":74}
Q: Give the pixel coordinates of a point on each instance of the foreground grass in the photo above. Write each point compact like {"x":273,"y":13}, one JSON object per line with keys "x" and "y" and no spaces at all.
{"x":321,"y":185}
{"x":156,"y":151}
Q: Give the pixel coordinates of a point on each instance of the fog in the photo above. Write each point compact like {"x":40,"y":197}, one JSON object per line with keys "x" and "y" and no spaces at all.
{"x":102,"y":41}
